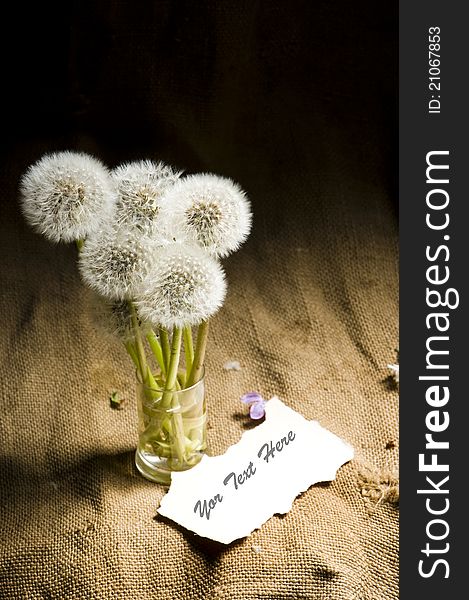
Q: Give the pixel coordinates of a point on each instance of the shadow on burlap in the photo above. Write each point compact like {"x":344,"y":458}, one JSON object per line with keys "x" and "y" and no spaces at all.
{"x":311,"y":312}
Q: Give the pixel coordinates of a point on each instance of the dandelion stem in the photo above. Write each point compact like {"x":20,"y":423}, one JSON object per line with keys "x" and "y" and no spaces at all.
{"x":147,"y":377}
{"x":182,"y":378}
{"x":157,"y":351}
{"x":169,"y":397}
{"x":132,"y":353}
{"x":164,"y":339}
{"x":174,"y":359}
{"x":199,"y":355}
{"x":188,"y":347}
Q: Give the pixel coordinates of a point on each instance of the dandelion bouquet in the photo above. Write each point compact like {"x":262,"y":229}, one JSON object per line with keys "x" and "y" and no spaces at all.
{"x":149,"y":245}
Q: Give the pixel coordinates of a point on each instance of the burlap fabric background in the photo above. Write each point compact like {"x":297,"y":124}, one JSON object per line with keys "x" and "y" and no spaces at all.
{"x":296,"y":101}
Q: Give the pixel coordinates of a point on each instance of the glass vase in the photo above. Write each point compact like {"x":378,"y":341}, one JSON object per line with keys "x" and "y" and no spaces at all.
{"x":172,"y":430}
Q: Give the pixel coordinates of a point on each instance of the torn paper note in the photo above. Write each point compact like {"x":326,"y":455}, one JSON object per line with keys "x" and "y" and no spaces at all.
{"x":226,"y":497}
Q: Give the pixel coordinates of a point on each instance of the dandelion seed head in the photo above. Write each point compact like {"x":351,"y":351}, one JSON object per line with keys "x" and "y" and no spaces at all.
{"x":112,"y":317}
{"x":115,"y":265}
{"x":67,"y":196}
{"x":210,"y":211}
{"x":184,"y":287}
{"x":140,"y":186}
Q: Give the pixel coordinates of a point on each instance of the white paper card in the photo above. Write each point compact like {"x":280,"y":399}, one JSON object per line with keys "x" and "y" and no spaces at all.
{"x":226,"y":497}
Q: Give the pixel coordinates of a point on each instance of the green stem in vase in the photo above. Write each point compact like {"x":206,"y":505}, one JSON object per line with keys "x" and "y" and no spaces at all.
{"x":157,"y":351}
{"x":165,"y":347}
{"x":199,"y":355}
{"x":182,"y":378}
{"x":147,"y":376}
{"x":132,"y":353}
{"x":188,"y":348}
{"x":169,"y":397}
{"x":174,"y":359}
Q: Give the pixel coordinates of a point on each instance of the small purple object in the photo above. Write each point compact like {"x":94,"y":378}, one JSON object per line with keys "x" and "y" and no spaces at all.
{"x":257,"y":404}
{"x":257,"y":410}
{"x":251,"y":397}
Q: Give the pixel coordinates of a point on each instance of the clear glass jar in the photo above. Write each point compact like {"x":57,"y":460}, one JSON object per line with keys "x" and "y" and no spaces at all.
{"x":172,"y":430}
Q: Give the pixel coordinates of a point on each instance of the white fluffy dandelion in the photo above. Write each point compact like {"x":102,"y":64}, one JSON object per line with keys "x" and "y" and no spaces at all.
{"x":140,"y":186}
{"x":210,"y":211}
{"x":115,"y":265}
{"x":184,"y":287}
{"x":66,"y":196}
{"x":113,"y":317}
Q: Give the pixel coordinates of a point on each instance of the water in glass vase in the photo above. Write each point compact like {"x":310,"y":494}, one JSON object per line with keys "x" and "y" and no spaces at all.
{"x":172,"y":430}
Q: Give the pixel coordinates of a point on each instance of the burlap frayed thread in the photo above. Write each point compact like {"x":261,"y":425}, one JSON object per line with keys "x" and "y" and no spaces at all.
{"x":378,"y":486}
